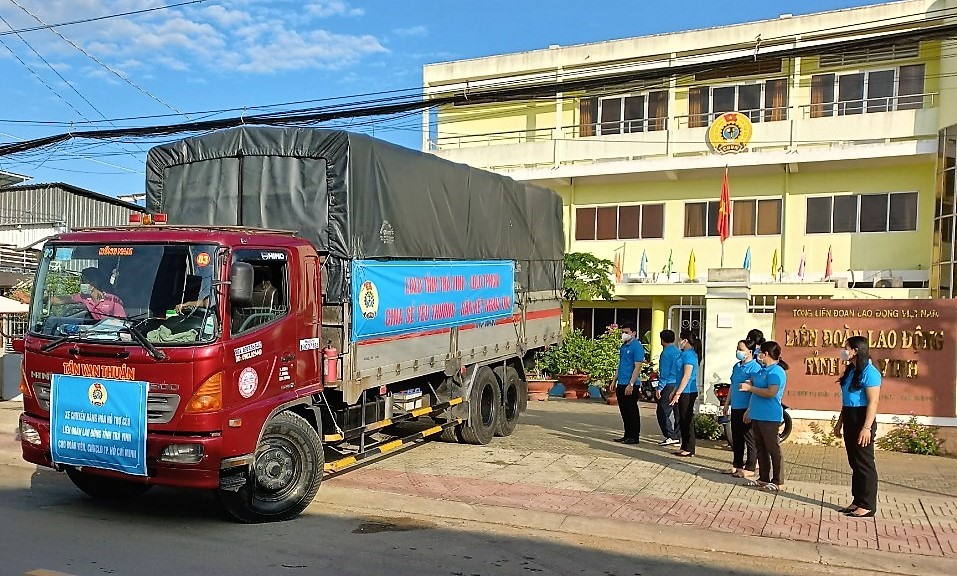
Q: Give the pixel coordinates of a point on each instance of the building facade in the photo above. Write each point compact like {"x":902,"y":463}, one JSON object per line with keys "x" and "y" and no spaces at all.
{"x":845,"y":189}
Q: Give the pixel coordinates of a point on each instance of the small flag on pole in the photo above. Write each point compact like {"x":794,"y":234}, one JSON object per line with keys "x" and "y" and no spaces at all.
{"x":774,"y":265}
{"x":643,"y":267}
{"x":830,"y":262}
{"x":668,"y":266}
{"x":801,"y":265}
{"x":692,"y":272}
{"x":617,"y":268}
{"x":747,"y":260}
{"x":724,"y":210}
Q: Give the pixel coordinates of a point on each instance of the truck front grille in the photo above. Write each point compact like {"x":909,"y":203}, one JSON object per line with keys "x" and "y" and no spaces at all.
{"x":160,"y":408}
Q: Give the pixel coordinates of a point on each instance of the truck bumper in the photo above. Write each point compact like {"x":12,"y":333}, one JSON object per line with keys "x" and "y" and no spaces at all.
{"x":203,"y":474}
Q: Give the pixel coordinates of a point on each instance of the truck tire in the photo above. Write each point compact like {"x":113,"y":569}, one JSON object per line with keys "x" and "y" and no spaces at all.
{"x":286,"y":474}
{"x":485,"y":401}
{"x":511,"y":405}
{"x":451,"y":435}
{"x":105,"y":488}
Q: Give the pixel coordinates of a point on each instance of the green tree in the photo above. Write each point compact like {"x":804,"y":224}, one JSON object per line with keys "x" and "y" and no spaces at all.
{"x":587,"y":277}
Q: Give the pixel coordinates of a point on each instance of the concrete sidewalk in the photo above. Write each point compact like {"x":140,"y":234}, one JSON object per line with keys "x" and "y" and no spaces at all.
{"x":562,"y":460}
{"x":560,"y":470}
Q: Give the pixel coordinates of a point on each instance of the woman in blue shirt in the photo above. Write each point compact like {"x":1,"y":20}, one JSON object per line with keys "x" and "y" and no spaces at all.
{"x":860,"y":391}
{"x":686,"y":392}
{"x":741,"y":436}
{"x":765,"y":413}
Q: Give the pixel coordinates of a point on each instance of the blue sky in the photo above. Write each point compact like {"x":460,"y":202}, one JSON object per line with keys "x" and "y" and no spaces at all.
{"x":227,"y":54}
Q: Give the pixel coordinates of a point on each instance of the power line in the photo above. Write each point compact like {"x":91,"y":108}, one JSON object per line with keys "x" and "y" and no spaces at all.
{"x":98,"y":18}
{"x":485,"y":95}
{"x":94,"y":58}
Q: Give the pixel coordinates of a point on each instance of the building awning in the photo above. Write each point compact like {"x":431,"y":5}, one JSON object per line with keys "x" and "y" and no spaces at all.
{"x":10,"y":306}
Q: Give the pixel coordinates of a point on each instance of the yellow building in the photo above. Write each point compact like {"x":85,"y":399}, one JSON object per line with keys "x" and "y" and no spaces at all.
{"x":849,"y":113}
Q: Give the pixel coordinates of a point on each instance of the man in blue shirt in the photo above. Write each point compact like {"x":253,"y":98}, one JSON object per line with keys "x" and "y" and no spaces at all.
{"x":667,"y":379}
{"x":630,"y":357}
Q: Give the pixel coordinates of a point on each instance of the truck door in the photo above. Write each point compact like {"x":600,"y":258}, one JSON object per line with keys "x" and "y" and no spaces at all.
{"x":263,"y":334}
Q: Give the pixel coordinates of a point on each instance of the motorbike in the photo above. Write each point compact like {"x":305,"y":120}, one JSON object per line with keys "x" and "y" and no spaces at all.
{"x":722,"y":392}
{"x":648,"y":387}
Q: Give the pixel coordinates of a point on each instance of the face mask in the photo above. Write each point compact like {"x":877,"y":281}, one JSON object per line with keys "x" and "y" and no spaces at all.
{"x":845,"y":356}
{"x":625,"y":337}
{"x":85,"y":289}
{"x":741,"y":355}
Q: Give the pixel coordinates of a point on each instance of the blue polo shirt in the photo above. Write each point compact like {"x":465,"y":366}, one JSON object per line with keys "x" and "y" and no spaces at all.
{"x":668,"y":366}
{"x":858,"y":398}
{"x":628,"y":354}
{"x":687,"y":358}
{"x":741,"y":372}
{"x":768,"y":409}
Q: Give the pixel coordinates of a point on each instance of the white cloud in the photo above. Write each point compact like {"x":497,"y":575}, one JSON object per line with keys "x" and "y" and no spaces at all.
{"x":316,"y":49}
{"x":250,"y":36}
{"x":412,"y":31}
{"x":333,"y":8}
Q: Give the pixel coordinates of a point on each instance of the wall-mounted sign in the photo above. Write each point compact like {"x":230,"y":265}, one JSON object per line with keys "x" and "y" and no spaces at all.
{"x":730,"y":133}
{"x":911,"y":343}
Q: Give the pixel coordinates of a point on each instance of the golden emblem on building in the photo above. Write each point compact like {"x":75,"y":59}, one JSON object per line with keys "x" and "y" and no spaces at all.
{"x":730,"y":133}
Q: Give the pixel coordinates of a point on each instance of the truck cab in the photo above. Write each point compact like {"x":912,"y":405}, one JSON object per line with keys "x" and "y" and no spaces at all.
{"x":209,"y":319}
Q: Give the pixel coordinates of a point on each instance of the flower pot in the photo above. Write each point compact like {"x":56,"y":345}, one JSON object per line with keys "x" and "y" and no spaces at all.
{"x":576,"y":385}
{"x":538,"y":388}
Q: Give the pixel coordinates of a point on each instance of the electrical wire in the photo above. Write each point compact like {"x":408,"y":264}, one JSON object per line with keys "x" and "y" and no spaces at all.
{"x":393,"y":106}
{"x":95,"y":59}
{"x":98,"y":18}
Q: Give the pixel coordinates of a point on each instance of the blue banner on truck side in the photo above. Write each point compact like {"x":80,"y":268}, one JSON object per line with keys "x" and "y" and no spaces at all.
{"x":393,"y":298}
{"x":98,"y":423}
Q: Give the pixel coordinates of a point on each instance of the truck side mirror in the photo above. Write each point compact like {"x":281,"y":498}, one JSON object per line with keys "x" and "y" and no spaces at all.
{"x":18,"y":345}
{"x":241,"y":284}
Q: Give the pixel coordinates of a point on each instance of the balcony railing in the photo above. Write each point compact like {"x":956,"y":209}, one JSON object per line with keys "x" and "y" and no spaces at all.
{"x":669,"y":125}
{"x":870,"y":105}
{"x":774,"y":114}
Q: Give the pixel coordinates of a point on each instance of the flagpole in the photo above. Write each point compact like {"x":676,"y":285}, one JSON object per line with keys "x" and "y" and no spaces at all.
{"x":722,"y":254}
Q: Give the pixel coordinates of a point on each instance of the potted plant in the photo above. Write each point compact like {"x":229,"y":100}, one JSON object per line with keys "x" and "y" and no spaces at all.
{"x":539,"y":379}
{"x":580,"y":361}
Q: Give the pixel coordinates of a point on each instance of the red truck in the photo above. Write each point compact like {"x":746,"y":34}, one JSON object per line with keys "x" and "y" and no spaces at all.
{"x":290,"y":299}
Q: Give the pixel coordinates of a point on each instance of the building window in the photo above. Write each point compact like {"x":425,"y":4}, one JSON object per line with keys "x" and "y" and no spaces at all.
{"x":701,"y":219}
{"x":761,"y":101}
{"x":896,"y":212}
{"x":756,"y":217}
{"x":870,"y":91}
{"x":627,"y":222}
{"x":595,"y":321}
{"x":626,"y":114}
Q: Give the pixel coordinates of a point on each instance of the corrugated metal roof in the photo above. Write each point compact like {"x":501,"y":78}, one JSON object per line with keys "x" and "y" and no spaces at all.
{"x":62,"y":203}
{"x":9,"y":178}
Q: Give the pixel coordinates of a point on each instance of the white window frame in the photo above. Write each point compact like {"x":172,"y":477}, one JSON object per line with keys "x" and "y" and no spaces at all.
{"x":640,"y":205}
{"x":621,"y":109}
{"x":756,"y":200}
{"x":893,"y":98}
{"x":857,"y":224}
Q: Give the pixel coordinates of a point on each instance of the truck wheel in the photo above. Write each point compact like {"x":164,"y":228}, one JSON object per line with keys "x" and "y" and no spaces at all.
{"x":451,"y":434}
{"x":105,"y":488}
{"x":485,"y":400}
{"x":285,"y":476}
{"x":511,"y":406}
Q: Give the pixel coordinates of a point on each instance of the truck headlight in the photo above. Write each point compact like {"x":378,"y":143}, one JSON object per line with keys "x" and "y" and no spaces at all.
{"x":182,"y":453}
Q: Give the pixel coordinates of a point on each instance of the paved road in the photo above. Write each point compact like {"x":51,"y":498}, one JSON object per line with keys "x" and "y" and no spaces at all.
{"x":556,"y":498}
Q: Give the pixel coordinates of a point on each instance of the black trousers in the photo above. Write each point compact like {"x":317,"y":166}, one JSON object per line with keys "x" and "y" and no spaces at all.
{"x":742,"y":438}
{"x":768,"y":448}
{"x":685,"y":417}
{"x":666,"y":413}
{"x":628,"y":406}
{"x":863,"y":467}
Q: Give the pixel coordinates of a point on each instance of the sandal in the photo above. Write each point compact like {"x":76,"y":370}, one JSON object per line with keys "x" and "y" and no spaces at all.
{"x":772,"y":487}
{"x":743,"y":474}
{"x":848,"y":510}
{"x":731,"y":472}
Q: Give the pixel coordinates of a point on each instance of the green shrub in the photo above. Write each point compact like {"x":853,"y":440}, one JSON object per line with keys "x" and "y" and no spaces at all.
{"x":823,"y":436}
{"x":706,"y":427}
{"x":911,"y":437}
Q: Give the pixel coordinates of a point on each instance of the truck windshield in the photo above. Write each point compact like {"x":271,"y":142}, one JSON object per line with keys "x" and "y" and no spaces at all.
{"x":163,"y":294}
